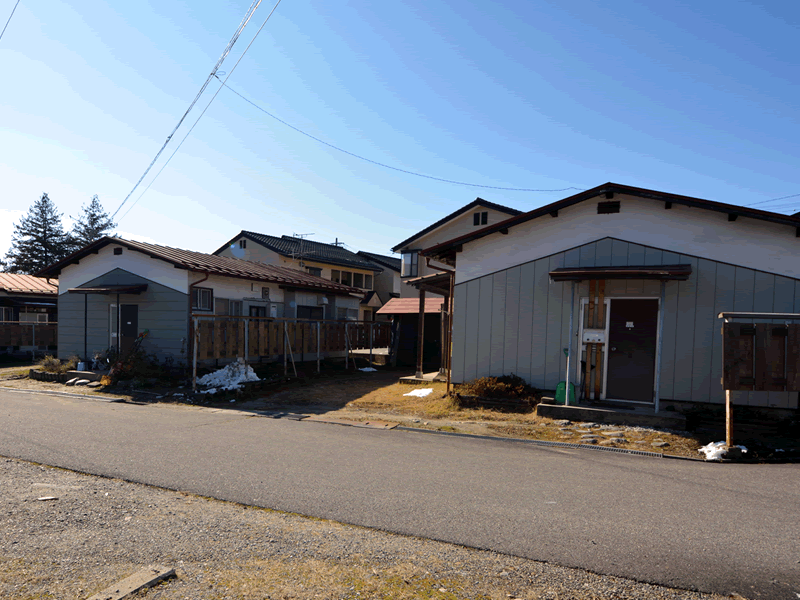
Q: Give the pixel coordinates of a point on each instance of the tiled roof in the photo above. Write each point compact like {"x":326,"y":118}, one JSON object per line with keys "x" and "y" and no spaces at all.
{"x":299,"y":248}
{"x":216,"y":265}
{"x":14,"y":283}
{"x":408,"y":306}
{"x":390,"y":262}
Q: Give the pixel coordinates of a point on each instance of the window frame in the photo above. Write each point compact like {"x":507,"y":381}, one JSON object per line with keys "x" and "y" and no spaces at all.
{"x":410,"y":268}
{"x":356,"y":277}
{"x":316,"y":271}
{"x":197,"y":300}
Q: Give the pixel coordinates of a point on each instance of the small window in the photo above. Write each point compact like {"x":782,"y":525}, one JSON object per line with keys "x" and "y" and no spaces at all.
{"x":117,"y":251}
{"x":367,"y":282}
{"x":316,"y":271}
{"x":347,"y":278}
{"x":358,"y":280}
{"x":235,"y":308}
{"x":480,"y":218}
{"x":242,"y":244}
{"x":265,"y":293}
{"x":408,"y":267}
{"x":336,"y":276}
{"x":202,"y":299}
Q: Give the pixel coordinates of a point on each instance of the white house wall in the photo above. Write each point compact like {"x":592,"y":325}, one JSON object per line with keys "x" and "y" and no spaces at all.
{"x":751,"y":243}
{"x":516,"y":321}
{"x":93,"y":266}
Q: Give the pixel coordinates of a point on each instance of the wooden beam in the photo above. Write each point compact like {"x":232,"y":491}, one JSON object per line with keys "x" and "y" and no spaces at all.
{"x":609,"y":195}
{"x":554,"y":214}
{"x":504,"y":231}
{"x":732,"y":217}
{"x":667,"y":205}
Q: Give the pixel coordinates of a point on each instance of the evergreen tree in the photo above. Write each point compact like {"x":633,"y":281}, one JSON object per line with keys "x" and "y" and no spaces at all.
{"x":38,"y":240}
{"x":93,"y":224}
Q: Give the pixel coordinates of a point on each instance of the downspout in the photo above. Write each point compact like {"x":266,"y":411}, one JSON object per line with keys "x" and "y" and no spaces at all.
{"x":192,"y":332}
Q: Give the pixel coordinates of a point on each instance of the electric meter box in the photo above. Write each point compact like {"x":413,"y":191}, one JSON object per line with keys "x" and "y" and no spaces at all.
{"x":594,"y":336}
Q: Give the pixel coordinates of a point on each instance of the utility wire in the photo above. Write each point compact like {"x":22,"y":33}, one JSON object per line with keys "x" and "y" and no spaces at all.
{"x":380,"y":164}
{"x":248,"y":15}
{"x":773,"y":200}
{"x":201,"y":114}
{"x":9,"y":19}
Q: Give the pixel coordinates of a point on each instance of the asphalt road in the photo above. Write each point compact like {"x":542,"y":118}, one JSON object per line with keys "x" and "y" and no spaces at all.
{"x":708,"y":527}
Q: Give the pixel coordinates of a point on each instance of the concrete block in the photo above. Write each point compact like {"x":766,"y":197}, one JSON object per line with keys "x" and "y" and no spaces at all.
{"x":138,"y":581}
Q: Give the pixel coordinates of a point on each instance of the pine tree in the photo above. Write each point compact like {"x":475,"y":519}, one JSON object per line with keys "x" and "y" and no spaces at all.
{"x":39,"y":239}
{"x":93,"y":224}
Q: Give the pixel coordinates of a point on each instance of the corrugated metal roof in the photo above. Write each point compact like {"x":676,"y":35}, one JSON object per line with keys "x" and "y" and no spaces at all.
{"x":217,"y":265}
{"x":315,"y":251}
{"x":408,"y":306}
{"x":15,"y":283}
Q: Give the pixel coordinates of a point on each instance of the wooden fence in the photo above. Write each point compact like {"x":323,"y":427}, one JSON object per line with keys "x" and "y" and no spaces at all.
{"x":230,"y":338}
{"x":20,"y":334}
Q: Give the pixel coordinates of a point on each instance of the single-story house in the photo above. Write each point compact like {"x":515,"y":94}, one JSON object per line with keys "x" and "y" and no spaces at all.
{"x":630,"y":282}
{"x":112,"y":290}
{"x":28,"y":313}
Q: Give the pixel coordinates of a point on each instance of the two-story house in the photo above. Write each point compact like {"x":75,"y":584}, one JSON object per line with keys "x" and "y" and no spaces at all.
{"x":329,"y":261}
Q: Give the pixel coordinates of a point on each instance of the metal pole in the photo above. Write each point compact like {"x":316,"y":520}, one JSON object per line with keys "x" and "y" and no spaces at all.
{"x":196,"y":328}
{"x":86,"y":326}
{"x":451,"y":303}
{"x":660,"y":335}
{"x":569,"y":343}
{"x":319,"y":326}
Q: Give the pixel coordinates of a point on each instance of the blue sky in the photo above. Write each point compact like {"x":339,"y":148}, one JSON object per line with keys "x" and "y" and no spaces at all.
{"x":691,"y":98}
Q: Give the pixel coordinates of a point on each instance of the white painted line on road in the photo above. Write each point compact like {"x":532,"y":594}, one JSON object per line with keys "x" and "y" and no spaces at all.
{"x":65,"y":394}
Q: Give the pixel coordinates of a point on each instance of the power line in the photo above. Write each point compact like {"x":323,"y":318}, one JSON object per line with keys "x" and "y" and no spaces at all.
{"x":248,"y":15}
{"x":13,"y":10}
{"x":773,"y":200}
{"x":380,"y":164}
{"x":201,"y":114}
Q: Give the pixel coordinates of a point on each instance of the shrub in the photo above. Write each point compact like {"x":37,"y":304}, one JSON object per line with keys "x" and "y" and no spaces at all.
{"x":507,"y":387}
{"x":50,"y":364}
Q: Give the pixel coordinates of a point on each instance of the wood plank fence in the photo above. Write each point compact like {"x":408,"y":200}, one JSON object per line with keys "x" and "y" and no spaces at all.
{"x":229,"y":338}
{"x":21,"y":334}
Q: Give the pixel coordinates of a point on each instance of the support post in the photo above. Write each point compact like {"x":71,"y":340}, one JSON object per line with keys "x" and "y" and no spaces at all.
{"x":247,"y":340}
{"x":370,"y":344}
{"x":319,"y":326}
{"x":196,"y":333}
{"x":569,"y":343}
{"x":347,"y":345}
{"x":119,"y":327}
{"x":86,"y":326}
{"x":420,"y":333}
{"x":728,"y":420}
{"x":33,"y":350}
{"x":451,"y":305}
{"x":660,"y":337}
{"x":285,"y":358}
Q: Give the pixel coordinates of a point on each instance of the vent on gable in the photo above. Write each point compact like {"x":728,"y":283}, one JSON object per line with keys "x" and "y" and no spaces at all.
{"x":117,"y":251}
{"x":606,"y":208}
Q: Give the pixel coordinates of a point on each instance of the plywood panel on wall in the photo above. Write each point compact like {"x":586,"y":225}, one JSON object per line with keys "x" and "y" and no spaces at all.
{"x":498,"y":313}
{"x":485,"y":326}
{"x":525,"y":333}
{"x":512,"y":322}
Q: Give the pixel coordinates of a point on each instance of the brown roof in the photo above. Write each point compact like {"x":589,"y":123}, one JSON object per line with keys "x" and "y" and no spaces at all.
{"x":447,"y":250}
{"x":215,"y":265}
{"x":14,"y":283}
{"x":409,"y":306}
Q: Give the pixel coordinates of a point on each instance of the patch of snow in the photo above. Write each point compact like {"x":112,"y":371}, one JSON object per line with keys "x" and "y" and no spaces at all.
{"x":717,"y":450}
{"x":209,"y":391}
{"x":368,"y":370}
{"x":230,"y":377}
{"x":421,"y":392}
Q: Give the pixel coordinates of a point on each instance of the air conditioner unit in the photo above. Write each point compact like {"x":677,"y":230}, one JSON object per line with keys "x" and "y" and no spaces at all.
{"x":322,"y":301}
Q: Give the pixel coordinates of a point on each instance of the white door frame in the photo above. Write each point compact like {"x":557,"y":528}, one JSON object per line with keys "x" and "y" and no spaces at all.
{"x":584,"y":303}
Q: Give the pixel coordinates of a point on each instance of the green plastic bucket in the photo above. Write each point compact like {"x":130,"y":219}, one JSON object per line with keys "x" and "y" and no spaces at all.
{"x":561,"y":392}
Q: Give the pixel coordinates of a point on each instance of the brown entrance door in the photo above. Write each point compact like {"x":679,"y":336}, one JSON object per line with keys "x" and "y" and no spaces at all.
{"x":128,"y":326}
{"x":632,"y":329}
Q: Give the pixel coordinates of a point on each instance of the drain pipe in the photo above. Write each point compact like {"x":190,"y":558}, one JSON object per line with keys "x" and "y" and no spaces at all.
{"x":660,"y":335}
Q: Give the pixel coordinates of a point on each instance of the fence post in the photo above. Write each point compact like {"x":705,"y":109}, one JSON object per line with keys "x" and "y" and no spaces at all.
{"x":196,"y":330}
{"x":33,"y":349}
{"x":286,"y":339}
{"x":246,"y":339}
{"x":319,"y":326}
{"x":370,"y":343}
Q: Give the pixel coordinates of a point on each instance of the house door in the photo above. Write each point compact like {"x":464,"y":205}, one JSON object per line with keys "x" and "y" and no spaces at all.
{"x":632,"y":330}
{"x":128,"y":326}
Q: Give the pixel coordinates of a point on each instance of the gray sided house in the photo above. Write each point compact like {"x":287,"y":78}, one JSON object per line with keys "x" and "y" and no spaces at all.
{"x":113,"y":290}
{"x":641,"y":275}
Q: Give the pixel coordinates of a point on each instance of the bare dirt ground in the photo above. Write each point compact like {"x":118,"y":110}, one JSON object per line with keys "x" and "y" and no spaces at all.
{"x":97,"y":531}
